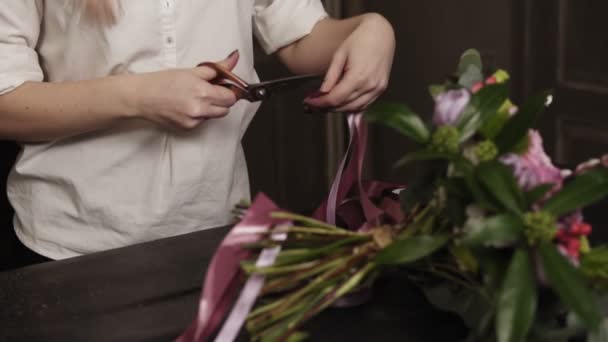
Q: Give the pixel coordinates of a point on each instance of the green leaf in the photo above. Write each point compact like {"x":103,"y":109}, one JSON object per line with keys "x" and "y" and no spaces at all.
{"x":484,"y":105}
{"x":480,"y":194}
{"x":494,"y":124}
{"x":537,"y":193}
{"x":411,"y":249}
{"x":461,"y":164}
{"x":582,"y":191}
{"x":570,"y":286}
{"x":517,"y":300}
{"x":465,"y":258}
{"x":517,"y":127}
{"x":601,"y":335}
{"x":501,"y":183}
{"x":467,"y":303}
{"x":470,"y":57}
{"x":493,"y":231}
{"x":399,"y":117}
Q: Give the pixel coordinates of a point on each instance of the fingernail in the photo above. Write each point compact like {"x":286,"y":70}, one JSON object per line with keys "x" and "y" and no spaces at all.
{"x":316,"y":94}
{"x":233,"y":53}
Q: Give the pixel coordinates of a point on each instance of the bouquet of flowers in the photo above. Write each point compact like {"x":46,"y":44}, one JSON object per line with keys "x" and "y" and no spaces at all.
{"x":490,"y":230}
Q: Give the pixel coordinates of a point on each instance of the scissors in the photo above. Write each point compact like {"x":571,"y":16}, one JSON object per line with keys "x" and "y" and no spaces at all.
{"x":259,"y":91}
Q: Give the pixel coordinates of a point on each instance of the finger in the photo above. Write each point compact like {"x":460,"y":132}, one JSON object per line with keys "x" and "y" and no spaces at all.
{"x":334,"y":73}
{"x":348,"y":88}
{"x":220,"y":96}
{"x":359,"y":104}
{"x":212,"y":112}
{"x":209,"y":74}
{"x":205,"y":73}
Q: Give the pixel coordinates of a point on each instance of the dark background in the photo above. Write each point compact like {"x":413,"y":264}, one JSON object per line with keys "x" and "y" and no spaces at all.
{"x":559,"y":44}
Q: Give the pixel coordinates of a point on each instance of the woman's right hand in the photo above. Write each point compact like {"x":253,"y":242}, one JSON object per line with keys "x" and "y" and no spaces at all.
{"x":183,"y":98}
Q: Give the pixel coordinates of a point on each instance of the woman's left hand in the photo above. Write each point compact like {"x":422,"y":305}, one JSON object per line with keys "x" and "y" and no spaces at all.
{"x":360,"y":69}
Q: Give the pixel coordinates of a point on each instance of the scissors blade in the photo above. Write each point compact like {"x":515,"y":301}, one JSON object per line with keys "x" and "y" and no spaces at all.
{"x":262,"y":90}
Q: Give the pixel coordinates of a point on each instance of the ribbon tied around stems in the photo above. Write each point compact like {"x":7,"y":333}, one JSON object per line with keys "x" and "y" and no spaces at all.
{"x":352,"y":203}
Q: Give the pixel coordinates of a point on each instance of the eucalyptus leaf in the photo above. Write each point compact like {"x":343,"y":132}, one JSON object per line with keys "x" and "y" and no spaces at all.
{"x":582,"y":191}
{"x":517,"y":127}
{"x":517,"y":300}
{"x":501,"y":183}
{"x":570,"y":286}
{"x":411,"y":249}
{"x":399,"y":117}
{"x":470,"y":76}
{"x":470,"y":57}
{"x":470,"y":68}
{"x":499,"y":230}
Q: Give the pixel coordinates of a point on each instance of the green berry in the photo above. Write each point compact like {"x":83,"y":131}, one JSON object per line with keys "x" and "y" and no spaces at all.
{"x":540,"y":226}
{"x":446,"y":139}
{"x":485,"y":151}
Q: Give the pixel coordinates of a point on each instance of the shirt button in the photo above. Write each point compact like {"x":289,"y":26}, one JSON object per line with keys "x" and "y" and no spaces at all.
{"x":167,"y":4}
{"x":169,"y":40}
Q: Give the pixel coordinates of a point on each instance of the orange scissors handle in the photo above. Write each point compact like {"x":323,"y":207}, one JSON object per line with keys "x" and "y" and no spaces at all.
{"x":230,"y":80}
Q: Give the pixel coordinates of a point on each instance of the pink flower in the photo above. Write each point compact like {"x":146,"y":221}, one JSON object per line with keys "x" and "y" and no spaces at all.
{"x":534,"y":167}
{"x":449,"y":106}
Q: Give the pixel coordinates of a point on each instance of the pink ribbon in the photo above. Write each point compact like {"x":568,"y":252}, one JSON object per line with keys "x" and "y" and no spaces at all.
{"x":222,"y":282}
{"x":353,"y":205}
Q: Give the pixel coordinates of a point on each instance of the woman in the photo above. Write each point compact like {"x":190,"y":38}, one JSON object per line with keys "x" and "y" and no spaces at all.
{"x":124,"y":140}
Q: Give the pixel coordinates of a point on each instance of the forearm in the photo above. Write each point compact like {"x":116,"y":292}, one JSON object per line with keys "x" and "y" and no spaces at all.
{"x":38,"y":111}
{"x":314,"y":53}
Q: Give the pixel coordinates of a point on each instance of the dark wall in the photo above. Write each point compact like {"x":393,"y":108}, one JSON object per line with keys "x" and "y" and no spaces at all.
{"x":431,"y":35}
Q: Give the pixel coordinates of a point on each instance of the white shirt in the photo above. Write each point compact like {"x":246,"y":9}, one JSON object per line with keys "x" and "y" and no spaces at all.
{"x":137,"y":182}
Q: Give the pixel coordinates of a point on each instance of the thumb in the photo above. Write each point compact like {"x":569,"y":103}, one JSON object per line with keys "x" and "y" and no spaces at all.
{"x":231,"y":61}
{"x":205,"y":72}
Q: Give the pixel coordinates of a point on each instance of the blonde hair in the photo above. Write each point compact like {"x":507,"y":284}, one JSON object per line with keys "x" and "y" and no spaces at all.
{"x":104,"y":12}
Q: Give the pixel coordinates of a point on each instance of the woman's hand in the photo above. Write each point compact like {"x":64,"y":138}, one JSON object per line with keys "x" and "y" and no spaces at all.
{"x":360,"y":69}
{"x":183,"y":98}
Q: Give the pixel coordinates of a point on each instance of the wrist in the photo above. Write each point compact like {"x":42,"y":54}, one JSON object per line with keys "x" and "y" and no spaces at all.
{"x":129,"y":96}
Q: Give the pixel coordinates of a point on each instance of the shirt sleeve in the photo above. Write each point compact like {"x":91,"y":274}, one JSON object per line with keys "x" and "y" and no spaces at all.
{"x":278,"y":23}
{"x":19,"y":31}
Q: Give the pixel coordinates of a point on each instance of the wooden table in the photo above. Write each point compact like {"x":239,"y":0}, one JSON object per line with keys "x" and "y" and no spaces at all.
{"x":150,"y":292}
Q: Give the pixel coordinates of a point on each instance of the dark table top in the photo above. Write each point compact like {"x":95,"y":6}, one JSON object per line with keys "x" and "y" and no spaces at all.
{"x":150,"y":292}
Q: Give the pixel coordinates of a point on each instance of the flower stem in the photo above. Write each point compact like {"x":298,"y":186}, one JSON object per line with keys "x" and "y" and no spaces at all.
{"x":308,"y":221}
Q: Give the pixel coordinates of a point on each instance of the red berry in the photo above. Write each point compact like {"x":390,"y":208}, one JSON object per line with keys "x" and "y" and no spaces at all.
{"x":575,"y":229}
{"x":562,"y":235}
{"x":574,"y":245}
{"x":476,"y":87}
{"x":585,"y":229}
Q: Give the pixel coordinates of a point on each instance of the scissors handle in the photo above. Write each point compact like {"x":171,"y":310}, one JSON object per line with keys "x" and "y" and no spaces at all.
{"x":230,"y":80}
